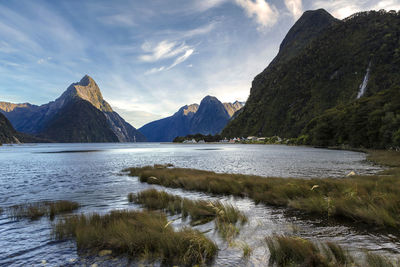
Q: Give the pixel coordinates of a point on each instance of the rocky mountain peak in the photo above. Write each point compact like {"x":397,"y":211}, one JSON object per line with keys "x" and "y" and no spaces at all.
{"x":87,"y":89}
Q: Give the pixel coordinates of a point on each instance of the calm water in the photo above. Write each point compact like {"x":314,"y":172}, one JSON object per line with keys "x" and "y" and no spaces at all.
{"x":51,"y":172}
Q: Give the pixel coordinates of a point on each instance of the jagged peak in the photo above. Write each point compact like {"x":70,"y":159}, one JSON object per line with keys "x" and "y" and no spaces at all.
{"x":86,"y":89}
{"x":86,"y":80}
{"x":187,"y":110}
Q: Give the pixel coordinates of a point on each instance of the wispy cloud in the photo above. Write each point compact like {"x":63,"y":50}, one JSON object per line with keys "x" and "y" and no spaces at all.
{"x":265,"y":14}
{"x":44,"y":60}
{"x":295,"y":7}
{"x":162,"y":50}
{"x":344,"y":8}
{"x":165,"y":50}
{"x":119,"y":20}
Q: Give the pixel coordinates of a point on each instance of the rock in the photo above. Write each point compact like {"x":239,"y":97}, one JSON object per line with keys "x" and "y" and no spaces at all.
{"x":352,"y":173}
{"x":105,"y":252}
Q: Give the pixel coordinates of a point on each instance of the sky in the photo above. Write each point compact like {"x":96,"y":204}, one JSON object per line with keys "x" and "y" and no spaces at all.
{"x":149,"y":58}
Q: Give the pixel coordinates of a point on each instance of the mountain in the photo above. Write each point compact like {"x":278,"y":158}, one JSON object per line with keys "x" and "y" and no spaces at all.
{"x":80,"y":114}
{"x":333,"y":82}
{"x":7,"y":132}
{"x":210,"y":117}
{"x":9,"y":135}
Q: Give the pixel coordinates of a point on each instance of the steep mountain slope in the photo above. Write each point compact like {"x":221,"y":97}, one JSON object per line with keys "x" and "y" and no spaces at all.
{"x":208,"y":118}
{"x":7,"y":132}
{"x":38,"y":120}
{"x":9,"y":135}
{"x":337,"y":68}
{"x":211,"y":117}
{"x":80,"y":122}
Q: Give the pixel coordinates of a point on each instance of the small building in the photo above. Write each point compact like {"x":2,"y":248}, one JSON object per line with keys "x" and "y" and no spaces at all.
{"x":251,"y":138}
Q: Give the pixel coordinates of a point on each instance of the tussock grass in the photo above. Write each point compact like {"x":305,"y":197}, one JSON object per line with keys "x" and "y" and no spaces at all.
{"x":374,"y":260}
{"x":296,"y":251}
{"x":226,"y":216}
{"x":373,"y":200}
{"x":139,"y":234}
{"x":36,"y":210}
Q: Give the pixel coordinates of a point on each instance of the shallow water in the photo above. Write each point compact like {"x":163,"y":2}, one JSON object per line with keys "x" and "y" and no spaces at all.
{"x":91,"y":175}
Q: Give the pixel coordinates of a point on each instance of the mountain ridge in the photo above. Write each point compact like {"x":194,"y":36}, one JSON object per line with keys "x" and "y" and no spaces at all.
{"x":207,"y":118}
{"x":35,"y":120}
{"x":323,"y":77}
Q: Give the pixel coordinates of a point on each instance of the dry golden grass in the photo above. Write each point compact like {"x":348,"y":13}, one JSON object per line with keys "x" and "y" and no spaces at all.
{"x":200,"y":211}
{"x":39,"y":209}
{"x":139,"y":234}
{"x":371,"y":199}
{"x":295,"y":251}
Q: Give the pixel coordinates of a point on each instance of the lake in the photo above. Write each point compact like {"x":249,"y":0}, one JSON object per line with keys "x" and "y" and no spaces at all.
{"x":91,"y":174}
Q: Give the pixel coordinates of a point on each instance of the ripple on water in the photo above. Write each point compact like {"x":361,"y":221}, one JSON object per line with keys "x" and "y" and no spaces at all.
{"x":95,"y":181}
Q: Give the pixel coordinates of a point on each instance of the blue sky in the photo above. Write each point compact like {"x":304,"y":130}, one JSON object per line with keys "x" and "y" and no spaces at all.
{"x":148,"y":57}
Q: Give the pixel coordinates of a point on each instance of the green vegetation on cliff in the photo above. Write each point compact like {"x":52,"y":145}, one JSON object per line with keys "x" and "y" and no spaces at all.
{"x":314,"y":88}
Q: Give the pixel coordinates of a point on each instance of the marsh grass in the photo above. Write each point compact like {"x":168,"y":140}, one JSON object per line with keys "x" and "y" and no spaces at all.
{"x":226,"y":216}
{"x":374,"y":260}
{"x":295,"y":251}
{"x":139,"y":234}
{"x":373,"y":200}
{"x":36,"y":210}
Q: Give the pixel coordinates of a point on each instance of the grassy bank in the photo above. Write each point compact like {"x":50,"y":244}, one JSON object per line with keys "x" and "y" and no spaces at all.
{"x":226,"y":216}
{"x":39,"y":209}
{"x":373,"y":200}
{"x":296,"y":251}
{"x":144,"y":235}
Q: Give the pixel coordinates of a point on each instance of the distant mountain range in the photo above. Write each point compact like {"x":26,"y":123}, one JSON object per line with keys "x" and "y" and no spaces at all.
{"x":333,"y":82}
{"x":80,"y":114}
{"x":210,"y":117}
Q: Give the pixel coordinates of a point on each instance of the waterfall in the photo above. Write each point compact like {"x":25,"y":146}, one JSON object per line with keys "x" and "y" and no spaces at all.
{"x":363,"y":86}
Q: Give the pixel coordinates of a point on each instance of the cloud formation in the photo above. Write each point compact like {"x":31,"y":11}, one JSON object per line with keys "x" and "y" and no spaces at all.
{"x":265,"y":14}
{"x":344,"y":8}
{"x":165,"y":50}
{"x":295,"y":7}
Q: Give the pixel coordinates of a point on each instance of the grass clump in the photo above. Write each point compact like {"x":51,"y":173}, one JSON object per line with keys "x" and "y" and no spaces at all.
{"x":36,"y":210}
{"x":226,"y":216}
{"x":373,"y":200}
{"x":374,"y":260}
{"x":296,"y":251}
{"x":139,"y":234}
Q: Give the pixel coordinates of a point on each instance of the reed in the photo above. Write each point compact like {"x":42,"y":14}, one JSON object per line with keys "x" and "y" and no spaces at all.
{"x":139,"y":234}
{"x":373,"y":200}
{"x":36,"y":210}
{"x":226,"y":216}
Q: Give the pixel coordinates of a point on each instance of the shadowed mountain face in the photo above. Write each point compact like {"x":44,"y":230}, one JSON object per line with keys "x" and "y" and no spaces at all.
{"x":333,"y":81}
{"x":210,"y":117}
{"x":7,"y":132}
{"x":80,"y":114}
{"x":9,"y":135}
